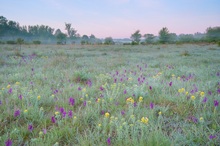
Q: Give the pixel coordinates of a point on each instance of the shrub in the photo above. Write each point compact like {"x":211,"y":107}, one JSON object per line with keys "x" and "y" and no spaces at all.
{"x":11,"y":42}
{"x":218,"y":43}
{"x":1,"y":42}
{"x":37,"y":42}
{"x":185,"y":53}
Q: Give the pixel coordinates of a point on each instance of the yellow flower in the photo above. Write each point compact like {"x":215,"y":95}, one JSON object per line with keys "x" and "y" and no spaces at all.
{"x":86,"y":95}
{"x":130,"y":100}
{"x":98,"y":100}
{"x":57,"y":113}
{"x":99,"y":125}
{"x":193,"y":97}
{"x":173,"y":75}
{"x":52,"y":95}
{"x":187,"y":93}
{"x":17,"y":83}
{"x":40,"y":133}
{"x":181,"y":90}
{"x":81,"y":99}
{"x":201,"y":119}
{"x":25,"y":111}
{"x":132,"y":116}
{"x":178,"y":78}
{"x":38,"y":97}
{"x":107,"y":115}
{"x":3,"y":88}
{"x":89,"y":102}
{"x":202,"y":94}
{"x":74,"y":117}
{"x":8,"y":86}
{"x":144,"y":120}
{"x":131,"y":125}
{"x":159,"y":113}
{"x":84,"y":90}
{"x":140,"y":99}
{"x":41,"y":108}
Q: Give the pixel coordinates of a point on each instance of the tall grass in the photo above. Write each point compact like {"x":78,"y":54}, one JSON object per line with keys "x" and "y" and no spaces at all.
{"x":131,"y":95}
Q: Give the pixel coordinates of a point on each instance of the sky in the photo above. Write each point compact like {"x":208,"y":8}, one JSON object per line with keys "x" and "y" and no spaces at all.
{"x":116,"y":18}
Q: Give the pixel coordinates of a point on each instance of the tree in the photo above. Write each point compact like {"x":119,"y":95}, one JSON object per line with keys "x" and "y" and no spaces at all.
{"x":149,"y":38}
{"x":61,"y":38}
{"x":85,"y":39}
{"x":213,"y":34}
{"x":71,"y":32}
{"x":136,"y":37}
{"x":109,"y":41}
{"x":164,"y":35}
{"x":186,"y":38}
{"x":20,"y":41}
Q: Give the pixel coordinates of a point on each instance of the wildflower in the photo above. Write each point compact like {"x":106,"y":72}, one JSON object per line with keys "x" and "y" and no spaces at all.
{"x":193,"y":97}
{"x":3,"y":88}
{"x":57,"y":113}
{"x":159,"y":113}
{"x":101,"y":88}
{"x":17,"y":113}
{"x":17,"y":83}
{"x":70,"y":114}
{"x":79,"y":88}
{"x":74,"y":117}
{"x":212,"y":136}
{"x":151,"y":105}
{"x":202,"y":94}
{"x":109,"y":141}
{"x":71,"y":101}
{"x":205,"y":100}
{"x":40,"y":133}
{"x":122,"y":112}
{"x":98,"y":99}
{"x":84,"y":103}
{"x":20,"y":97}
{"x":135,"y":104}
{"x":144,"y":120}
{"x":84,"y":90}
{"x":181,"y":90}
{"x":10,"y":91}
{"x":125,"y":91}
{"x":53,"y":120}
{"x":0,"y":102}
{"x":38,"y":97}
{"x":130,"y":100}
{"x":218,"y":91}
{"x":99,"y":125}
{"x":30,"y":127}
{"x":45,"y":131}
{"x":150,"y":87}
{"x":87,"y":95}
{"x":201,"y":119}
{"x":170,"y":84}
{"x":41,"y":108}
{"x":187,"y":93}
{"x":9,"y":86}
{"x":140,"y":99}
{"x":216,"y":103}
{"x":25,"y":111}
{"x":107,"y":115}
{"x":8,"y":142}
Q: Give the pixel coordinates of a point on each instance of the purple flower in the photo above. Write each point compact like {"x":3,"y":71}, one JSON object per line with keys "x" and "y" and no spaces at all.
{"x":122,"y":113}
{"x":0,"y":102}
{"x":102,"y":112}
{"x":70,"y":114}
{"x":218,"y":91}
{"x":8,"y":142}
{"x":71,"y":101}
{"x":125,"y":91}
{"x":53,"y":120}
{"x":84,"y":103}
{"x":45,"y":131}
{"x":30,"y":127}
{"x":151,"y":105}
{"x":170,"y":84}
{"x":89,"y":83}
{"x":193,"y":119}
{"x":150,"y":88}
{"x":101,"y":88}
{"x":63,"y":114}
{"x":205,"y":100}
{"x":216,"y":103}
{"x":79,"y":88}
{"x":20,"y":97}
{"x":210,"y":92}
{"x":212,"y":136}
{"x":17,"y":113}
{"x":10,"y":91}
{"x":135,"y":104}
{"x":62,"y":110}
{"x":108,"y":141}
{"x":115,"y":80}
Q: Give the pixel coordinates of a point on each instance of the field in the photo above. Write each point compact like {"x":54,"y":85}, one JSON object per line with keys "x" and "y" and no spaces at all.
{"x":110,"y":95}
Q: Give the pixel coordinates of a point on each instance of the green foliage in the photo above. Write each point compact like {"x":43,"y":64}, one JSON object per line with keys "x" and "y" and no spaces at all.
{"x":20,"y":41}
{"x":218,"y":43}
{"x":11,"y":42}
{"x":109,"y":41}
{"x":136,"y":37}
{"x":213,"y":34}
{"x":149,"y":38}
{"x":37,"y":42}
{"x":164,"y":35}
{"x":61,"y":38}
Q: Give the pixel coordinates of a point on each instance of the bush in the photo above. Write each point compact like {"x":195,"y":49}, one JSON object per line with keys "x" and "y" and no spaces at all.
{"x":37,"y":42}
{"x":1,"y":42}
{"x":218,"y":43}
{"x":134,"y":43}
{"x":11,"y":42}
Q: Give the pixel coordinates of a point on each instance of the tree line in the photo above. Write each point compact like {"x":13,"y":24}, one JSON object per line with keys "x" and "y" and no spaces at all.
{"x":11,"y":32}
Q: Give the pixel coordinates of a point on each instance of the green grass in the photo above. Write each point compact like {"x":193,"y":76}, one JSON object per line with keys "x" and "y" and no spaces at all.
{"x":100,"y":79}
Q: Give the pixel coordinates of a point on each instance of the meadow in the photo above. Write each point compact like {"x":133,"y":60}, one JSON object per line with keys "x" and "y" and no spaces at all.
{"x":110,"y":95}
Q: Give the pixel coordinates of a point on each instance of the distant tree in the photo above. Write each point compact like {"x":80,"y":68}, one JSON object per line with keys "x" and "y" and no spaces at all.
{"x":213,"y":34}
{"x":136,"y":37}
{"x":186,"y":38}
{"x":172,"y":37}
{"x":20,"y":41}
{"x":61,"y":38}
{"x":149,"y":38}
{"x":164,"y":35}
{"x":85,"y":39}
{"x":109,"y":41}
{"x":58,"y":31}
{"x":92,"y":39}
{"x":71,"y":32}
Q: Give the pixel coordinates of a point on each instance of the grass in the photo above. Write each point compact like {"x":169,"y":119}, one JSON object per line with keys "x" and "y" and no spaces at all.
{"x":110,"y":95}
